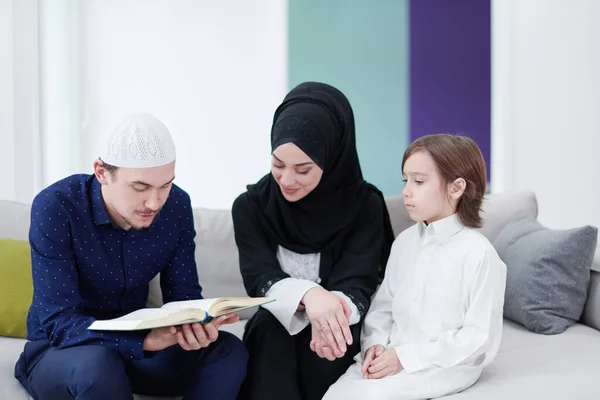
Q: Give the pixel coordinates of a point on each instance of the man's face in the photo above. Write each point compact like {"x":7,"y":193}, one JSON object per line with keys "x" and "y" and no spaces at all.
{"x":133,"y":196}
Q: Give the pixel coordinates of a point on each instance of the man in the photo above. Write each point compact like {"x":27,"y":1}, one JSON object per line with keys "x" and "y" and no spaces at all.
{"x":96,"y":242}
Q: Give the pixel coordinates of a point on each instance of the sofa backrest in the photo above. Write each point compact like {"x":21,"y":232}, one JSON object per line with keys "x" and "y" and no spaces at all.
{"x":217,"y":257}
{"x":14,"y":220}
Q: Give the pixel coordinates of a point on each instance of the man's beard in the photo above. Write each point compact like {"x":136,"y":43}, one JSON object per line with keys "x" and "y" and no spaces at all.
{"x":140,"y":228}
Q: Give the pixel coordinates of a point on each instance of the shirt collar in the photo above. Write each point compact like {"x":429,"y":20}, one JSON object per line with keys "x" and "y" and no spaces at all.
{"x":99,"y":212}
{"x":442,"y":229}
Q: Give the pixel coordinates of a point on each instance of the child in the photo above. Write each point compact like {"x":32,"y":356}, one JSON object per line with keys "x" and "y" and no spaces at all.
{"x":436,"y":320}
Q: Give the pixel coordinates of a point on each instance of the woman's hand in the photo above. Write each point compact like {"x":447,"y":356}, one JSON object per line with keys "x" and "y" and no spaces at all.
{"x":327,"y":313}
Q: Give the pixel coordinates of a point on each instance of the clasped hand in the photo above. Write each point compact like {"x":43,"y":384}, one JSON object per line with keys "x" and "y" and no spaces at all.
{"x":380,"y":362}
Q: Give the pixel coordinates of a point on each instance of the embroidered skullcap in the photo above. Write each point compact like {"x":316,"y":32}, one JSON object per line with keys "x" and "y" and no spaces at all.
{"x":139,"y":141}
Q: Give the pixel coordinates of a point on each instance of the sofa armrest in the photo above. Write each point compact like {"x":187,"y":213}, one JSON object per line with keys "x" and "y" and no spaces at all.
{"x":591,"y":311}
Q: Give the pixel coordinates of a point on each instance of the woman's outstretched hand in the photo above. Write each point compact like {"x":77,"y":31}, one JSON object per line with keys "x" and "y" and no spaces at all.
{"x":328,"y":315}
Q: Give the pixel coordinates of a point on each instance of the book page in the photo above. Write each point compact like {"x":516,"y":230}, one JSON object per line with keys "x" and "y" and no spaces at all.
{"x":226,"y":305}
{"x":203,"y":304}
{"x":144,"y":314}
{"x":131,"y":320}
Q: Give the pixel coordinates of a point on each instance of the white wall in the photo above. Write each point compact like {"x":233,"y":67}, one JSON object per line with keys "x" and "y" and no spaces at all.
{"x":212,"y":71}
{"x":546,"y":106}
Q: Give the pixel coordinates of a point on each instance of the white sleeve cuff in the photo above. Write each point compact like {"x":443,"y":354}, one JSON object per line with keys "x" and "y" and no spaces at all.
{"x":355,"y":315}
{"x":408,"y":358}
{"x":289,"y":292}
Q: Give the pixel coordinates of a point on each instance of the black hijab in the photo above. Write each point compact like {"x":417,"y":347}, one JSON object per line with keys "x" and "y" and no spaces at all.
{"x":319,"y":120}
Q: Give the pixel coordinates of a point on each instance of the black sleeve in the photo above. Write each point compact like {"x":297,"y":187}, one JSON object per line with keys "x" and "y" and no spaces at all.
{"x":355,"y":272}
{"x":258,"y":262}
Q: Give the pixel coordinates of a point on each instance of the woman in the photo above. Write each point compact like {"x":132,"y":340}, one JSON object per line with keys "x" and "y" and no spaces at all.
{"x":313,"y":235}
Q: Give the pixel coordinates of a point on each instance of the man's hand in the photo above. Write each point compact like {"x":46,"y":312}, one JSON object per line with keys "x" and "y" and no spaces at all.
{"x":386,"y":364}
{"x":226,"y":320}
{"x":160,"y":338}
{"x":190,"y":336}
{"x":196,"y":336}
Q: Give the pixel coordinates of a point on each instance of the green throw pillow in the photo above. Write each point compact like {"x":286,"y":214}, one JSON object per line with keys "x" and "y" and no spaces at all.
{"x":16,"y":287}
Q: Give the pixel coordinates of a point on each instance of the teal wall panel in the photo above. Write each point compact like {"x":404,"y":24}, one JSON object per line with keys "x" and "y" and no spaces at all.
{"x":361,"y":47}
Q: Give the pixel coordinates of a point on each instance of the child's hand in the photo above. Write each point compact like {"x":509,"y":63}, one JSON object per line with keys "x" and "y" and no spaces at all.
{"x":385,"y":364}
{"x":370,"y":354}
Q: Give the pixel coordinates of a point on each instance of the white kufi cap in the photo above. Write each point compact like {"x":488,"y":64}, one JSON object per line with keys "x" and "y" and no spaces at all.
{"x":139,"y":141}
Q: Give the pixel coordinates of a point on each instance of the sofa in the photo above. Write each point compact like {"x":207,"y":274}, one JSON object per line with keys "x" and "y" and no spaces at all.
{"x":528,"y":366}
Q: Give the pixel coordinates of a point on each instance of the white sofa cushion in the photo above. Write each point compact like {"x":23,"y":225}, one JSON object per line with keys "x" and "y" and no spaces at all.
{"x":591,"y":311}
{"x":216,"y":257}
{"x":217,"y":254}
{"x":14,"y":220}
{"x":535,"y":366}
{"x":528,"y":366}
{"x":10,"y":388}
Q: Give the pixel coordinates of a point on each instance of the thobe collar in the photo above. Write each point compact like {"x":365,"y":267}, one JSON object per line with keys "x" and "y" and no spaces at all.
{"x":440,"y":230}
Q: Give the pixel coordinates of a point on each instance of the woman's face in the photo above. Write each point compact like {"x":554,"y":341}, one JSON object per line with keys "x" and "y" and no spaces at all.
{"x":296,"y":173}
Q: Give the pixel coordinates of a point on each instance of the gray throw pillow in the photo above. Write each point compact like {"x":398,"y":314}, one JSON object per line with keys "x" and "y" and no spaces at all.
{"x":548,"y":273}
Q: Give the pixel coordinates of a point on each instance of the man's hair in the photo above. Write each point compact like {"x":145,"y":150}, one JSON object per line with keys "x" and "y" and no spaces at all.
{"x":110,"y":168}
{"x":457,"y":157}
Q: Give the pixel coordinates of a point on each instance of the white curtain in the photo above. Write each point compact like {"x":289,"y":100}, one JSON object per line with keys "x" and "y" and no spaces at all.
{"x":39,"y":115}
{"x":19,"y":100}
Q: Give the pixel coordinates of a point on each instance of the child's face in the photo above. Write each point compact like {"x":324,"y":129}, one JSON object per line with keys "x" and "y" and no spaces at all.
{"x":425,"y":193}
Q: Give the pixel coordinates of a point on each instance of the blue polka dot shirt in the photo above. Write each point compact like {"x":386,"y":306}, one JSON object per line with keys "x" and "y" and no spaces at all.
{"x":86,"y":268}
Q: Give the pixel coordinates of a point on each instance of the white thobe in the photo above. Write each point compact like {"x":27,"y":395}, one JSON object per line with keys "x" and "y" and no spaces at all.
{"x":304,"y":275}
{"x":439,"y":307}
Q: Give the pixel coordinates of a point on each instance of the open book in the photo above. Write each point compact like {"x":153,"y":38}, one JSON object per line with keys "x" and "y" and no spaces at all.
{"x":179,"y":313}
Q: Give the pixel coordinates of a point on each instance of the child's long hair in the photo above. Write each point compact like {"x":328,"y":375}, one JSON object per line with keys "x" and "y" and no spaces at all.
{"x":457,"y":157}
